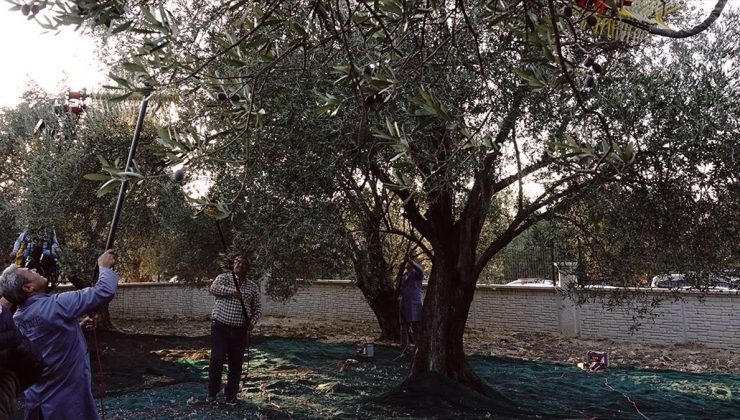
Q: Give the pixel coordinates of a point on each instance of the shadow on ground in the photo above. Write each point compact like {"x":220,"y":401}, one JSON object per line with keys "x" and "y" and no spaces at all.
{"x":164,"y":377}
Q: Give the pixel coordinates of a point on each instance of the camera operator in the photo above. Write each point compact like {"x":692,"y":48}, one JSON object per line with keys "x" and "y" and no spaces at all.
{"x":20,"y":363}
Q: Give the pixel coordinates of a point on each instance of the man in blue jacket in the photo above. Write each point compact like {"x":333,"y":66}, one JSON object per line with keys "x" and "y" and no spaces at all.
{"x":51,"y":324}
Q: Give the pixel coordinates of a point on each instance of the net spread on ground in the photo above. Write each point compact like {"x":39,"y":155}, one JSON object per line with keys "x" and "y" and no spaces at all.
{"x":310,"y":379}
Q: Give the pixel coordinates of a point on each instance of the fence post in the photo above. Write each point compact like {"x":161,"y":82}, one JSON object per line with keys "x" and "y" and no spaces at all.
{"x":568,"y":316}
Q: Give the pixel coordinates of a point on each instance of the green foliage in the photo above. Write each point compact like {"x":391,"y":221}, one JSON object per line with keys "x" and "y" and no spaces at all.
{"x":430,"y":87}
{"x":49,"y":183}
{"x":673,"y":211}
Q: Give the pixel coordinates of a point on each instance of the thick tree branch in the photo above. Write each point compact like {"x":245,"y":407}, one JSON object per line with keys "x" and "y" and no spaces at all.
{"x":482,"y":189}
{"x":682,"y":33}
{"x":505,"y":182}
{"x":520,"y":198}
{"x":526,"y":219}
{"x":409,"y":204}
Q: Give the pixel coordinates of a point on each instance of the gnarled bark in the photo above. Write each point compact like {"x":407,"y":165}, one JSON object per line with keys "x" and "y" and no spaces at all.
{"x":446,"y":304}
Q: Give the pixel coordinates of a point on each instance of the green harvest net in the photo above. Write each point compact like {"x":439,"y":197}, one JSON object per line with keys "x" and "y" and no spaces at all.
{"x":313,"y":380}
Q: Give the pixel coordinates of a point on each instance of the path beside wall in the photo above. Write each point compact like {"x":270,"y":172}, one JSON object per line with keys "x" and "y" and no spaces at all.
{"x":713,"y":321}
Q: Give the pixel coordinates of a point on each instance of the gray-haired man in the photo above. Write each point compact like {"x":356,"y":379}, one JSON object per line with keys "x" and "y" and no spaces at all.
{"x":51,"y":323}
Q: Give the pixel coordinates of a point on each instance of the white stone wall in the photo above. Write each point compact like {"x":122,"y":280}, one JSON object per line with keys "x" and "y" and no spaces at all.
{"x":324,"y":299}
{"x":161,"y":301}
{"x":516,"y":309}
{"x":714,"y":322}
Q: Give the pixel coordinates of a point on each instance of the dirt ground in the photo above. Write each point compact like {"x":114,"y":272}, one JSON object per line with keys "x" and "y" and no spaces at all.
{"x":170,"y":340}
{"x":309,"y":369}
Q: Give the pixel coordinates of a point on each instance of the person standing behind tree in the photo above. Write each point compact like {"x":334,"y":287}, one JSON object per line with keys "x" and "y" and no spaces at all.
{"x":238,"y":308}
{"x":410,"y":301}
{"x":51,"y":323}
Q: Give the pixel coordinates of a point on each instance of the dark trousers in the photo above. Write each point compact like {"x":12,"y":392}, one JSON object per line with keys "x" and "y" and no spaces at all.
{"x":227,"y":344}
{"x":409,"y":329}
{"x":409,"y":334}
{"x":8,"y":390}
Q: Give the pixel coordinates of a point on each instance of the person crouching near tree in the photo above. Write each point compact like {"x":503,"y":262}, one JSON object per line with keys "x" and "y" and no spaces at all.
{"x":20,"y":363}
{"x":237,"y":309}
{"x":51,"y":324}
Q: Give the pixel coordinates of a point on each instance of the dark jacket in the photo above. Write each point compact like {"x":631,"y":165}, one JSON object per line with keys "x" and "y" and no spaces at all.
{"x":17,"y":354}
{"x":9,"y":389}
{"x":411,"y":293}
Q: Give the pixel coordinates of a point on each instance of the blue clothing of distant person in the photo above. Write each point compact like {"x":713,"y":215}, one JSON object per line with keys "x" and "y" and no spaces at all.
{"x":51,"y":323}
{"x":410,"y":304}
{"x":411,"y":292}
{"x":45,"y":238}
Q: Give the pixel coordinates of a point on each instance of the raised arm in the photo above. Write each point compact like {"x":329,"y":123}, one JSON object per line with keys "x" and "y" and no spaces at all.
{"x":75,"y":304}
{"x":418,"y":268}
{"x":223,"y":286}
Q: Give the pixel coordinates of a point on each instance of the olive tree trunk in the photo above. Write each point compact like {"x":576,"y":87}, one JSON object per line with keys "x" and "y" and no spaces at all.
{"x":374,"y":280}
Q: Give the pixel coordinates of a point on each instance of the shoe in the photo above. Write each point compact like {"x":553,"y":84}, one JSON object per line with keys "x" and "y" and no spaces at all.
{"x":211,"y":400}
{"x":231,"y":401}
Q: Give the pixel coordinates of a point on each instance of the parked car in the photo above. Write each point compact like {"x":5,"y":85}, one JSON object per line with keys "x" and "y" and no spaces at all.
{"x":599,"y":283}
{"x":599,"y":286}
{"x":177,"y":280}
{"x":669,"y":281}
{"x":725,"y":280}
{"x":532,"y":282}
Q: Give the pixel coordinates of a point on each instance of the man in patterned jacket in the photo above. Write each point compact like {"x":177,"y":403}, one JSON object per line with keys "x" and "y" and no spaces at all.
{"x":237,"y":309}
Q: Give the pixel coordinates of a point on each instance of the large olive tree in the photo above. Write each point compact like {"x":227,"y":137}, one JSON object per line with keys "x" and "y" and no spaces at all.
{"x":451,"y":106}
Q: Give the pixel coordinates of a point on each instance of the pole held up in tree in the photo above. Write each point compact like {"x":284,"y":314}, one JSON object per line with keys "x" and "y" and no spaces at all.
{"x":221,"y":236}
{"x":112,"y":235}
{"x":129,"y":163}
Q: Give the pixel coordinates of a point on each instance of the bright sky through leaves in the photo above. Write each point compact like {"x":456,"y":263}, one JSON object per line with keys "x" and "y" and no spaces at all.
{"x":28,"y":53}
{"x":67,"y":59}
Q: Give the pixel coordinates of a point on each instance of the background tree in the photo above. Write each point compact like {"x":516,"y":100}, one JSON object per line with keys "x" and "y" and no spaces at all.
{"x":45,"y":187}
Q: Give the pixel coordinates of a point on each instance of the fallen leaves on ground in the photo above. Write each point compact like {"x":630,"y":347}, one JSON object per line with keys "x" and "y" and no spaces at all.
{"x":525,"y":346}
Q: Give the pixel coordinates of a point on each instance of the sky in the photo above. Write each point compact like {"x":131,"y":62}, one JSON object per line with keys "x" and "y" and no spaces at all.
{"x":29,"y":53}
{"x":66,"y":58}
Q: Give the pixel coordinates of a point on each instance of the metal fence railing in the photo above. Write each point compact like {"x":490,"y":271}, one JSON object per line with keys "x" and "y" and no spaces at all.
{"x":521,"y":262}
